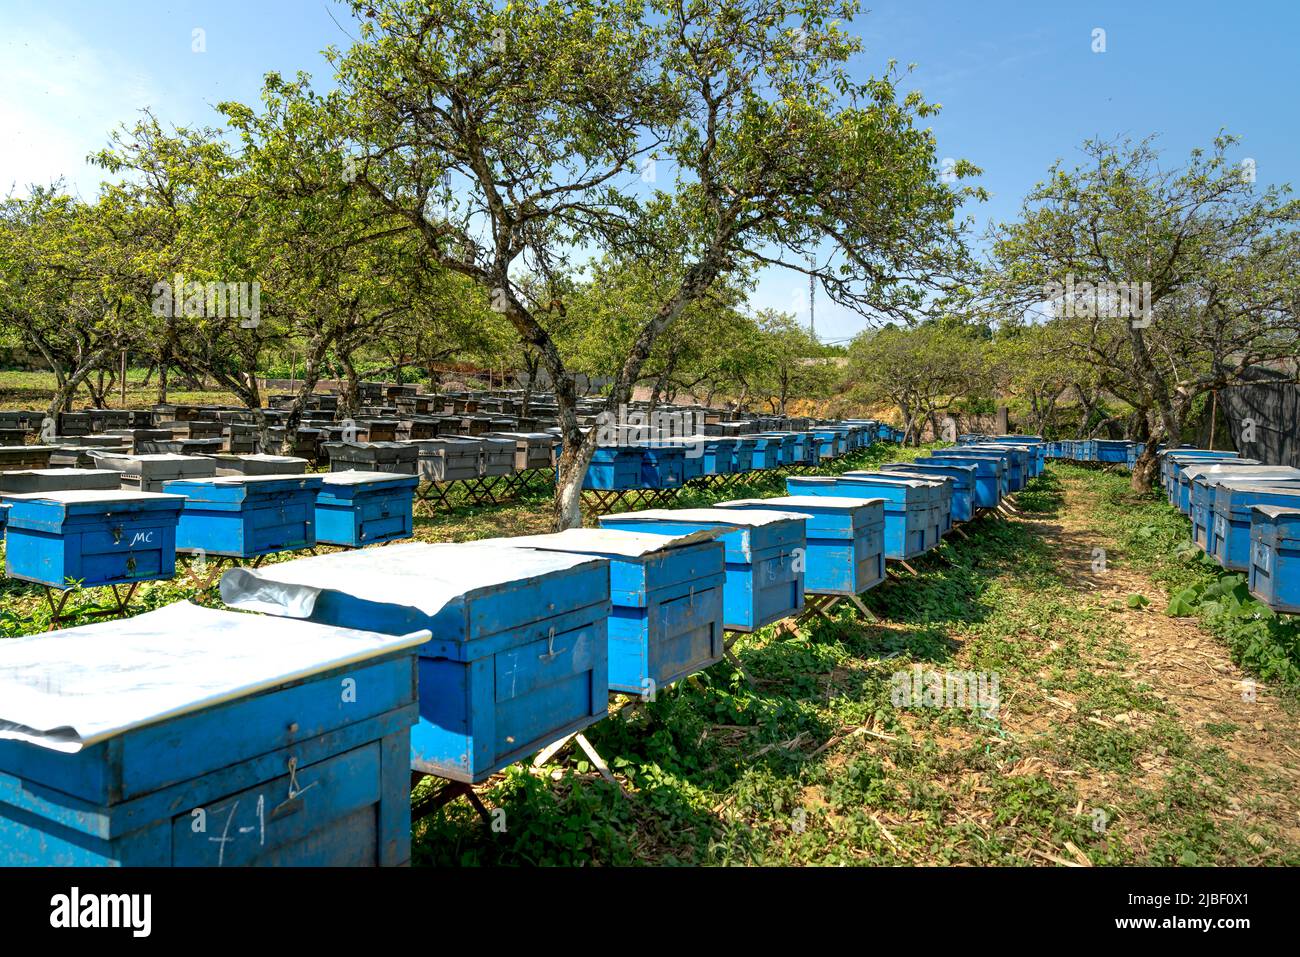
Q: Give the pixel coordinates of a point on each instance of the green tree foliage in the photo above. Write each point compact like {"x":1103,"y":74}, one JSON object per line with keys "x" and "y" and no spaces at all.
{"x":924,"y":370}
{"x":1217,"y":253}
{"x":508,"y":137}
{"x":65,"y":283}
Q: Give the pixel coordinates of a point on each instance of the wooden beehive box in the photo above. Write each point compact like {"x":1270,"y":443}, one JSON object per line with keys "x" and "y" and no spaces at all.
{"x":666,"y":593}
{"x":764,"y":550}
{"x":363,"y":508}
{"x":449,"y":458}
{"x":1275,"y":557}
{"x":1227,"y":537}
{"x":962,"y":478}
{"x":92,"y":536}
{"x":148,"y":473}
{"x":372,"y":456}
{"x":244,"y":516}
{"x":192,"y":736}
{"x":498,"y":456}
{"x":614,"y":469}
{"x":845,"y":540}
{"x":519,"y":653}
{"x":940,"y":487}
{"x":911,"y":518}
{"x":256,"y":464}
{"x":59,"y":480}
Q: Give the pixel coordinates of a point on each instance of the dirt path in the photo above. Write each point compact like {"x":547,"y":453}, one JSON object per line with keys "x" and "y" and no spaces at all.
{"x":1191,"y":672}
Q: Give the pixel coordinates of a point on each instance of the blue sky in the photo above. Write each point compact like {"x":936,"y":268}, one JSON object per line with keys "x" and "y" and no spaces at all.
{"x":1019,"y":82}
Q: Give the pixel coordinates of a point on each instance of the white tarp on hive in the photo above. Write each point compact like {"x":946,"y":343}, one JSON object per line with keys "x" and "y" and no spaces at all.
{"x":412,"y":575}
{"x":72,"y":688}
{"x":610,"y":541}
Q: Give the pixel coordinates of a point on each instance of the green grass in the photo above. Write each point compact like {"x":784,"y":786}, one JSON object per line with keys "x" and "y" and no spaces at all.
{"x":33,"y":390}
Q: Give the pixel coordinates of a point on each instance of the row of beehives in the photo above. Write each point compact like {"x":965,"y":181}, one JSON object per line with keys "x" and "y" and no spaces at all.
{"x":408,"y":415}
{"x":85,"y":528}
{"x":1244,"y":514}
{"x":200,"y":736}
{"x":244,"y":507}
{"x":1105,"y":451}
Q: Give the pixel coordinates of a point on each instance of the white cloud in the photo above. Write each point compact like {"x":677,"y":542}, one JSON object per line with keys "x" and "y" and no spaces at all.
{"x":60,"y":96}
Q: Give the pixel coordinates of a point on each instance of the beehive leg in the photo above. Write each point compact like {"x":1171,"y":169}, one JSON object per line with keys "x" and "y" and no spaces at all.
{"x":555,"y":747}
{"x":861,"y":606}
{"x":729,"y":639}
{"x":443,"y":796}
{"x":124,"y":601}
{"x":550,"y":751}
{"x":597,"y":760}
{"x":56,"y":611}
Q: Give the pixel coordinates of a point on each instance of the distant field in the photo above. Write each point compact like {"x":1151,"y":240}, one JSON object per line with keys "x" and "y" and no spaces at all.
{"x":32,"y":390}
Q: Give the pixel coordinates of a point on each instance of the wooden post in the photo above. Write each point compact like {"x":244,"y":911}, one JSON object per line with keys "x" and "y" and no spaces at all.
{"x":123,"y":383}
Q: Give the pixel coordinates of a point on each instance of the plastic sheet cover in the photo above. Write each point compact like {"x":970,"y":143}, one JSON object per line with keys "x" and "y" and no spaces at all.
{"x":610,"y":541}
{"x":729,"y":516}
{"x":794,"y":502}
{"x":70,"y":689}
{"x":412,"y":575}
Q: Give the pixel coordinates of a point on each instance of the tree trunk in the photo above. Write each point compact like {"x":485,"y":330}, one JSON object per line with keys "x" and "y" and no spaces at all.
{"x":350,"y":405}
{"x":567,"y":504}
{"x":310,"y":376}
{"x":1144,"y":470}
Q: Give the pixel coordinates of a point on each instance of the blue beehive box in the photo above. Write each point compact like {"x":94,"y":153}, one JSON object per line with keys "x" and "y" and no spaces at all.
{"x":614,"y":469}
{"x":783,"y":446}
{"x":362,"y":508}
{"x":765,"y":579}
{"x":1228,"y":534}
{"x":666,"y":621}
{"x":807,"y":450}
{"x":1189,"y":475}
{"x":1013,"y":472}
{"x":692,"y":459}
{"x":1112,"y":450}
{"x":244,"y":516}
{"x":1033,"y":445}
{"x":767,"y":452}
{"x":663,"y":466}
{"x":829,"y":443}
{"x":1202,"y":492}
{"x":845,"y":540}
{"x":941,"y":487}
{"x":719,"y":455}
{"x":990,"y":474}
{"x":92,"y":536}
{"x":190,"y":736}
{"x":519,"y":656}
{"x":1022,"y":464}
{"x":1275,"y":557}
{"x":962,"y":477}
{"x":1172,"y":462}
{"x":911,"y":516}
{"x":742,"y":455}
